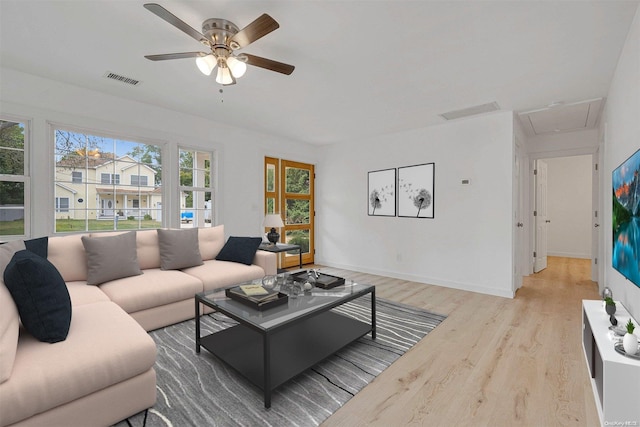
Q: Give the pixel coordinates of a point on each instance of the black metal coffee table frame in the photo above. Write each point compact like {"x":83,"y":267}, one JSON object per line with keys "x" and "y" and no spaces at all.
{"x":271,"y":356}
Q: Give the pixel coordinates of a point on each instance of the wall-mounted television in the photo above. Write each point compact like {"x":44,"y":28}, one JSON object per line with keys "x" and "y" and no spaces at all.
{"x":625,"y":218}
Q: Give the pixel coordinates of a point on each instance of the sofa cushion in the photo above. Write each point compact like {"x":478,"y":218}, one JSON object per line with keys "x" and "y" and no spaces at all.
{"x":9,"y":327}
{"x":216,"y":274}
{"x":6,"y":253}
{"x":68,"y":255}
{"x":38,"y":246}
{"x":82,"y":294}
{"x":240,"y":249}
{"x":148,"y":249}
{"x":179,"y":248}
{"x":111,"y":257}
{"x":41,"y":296}
{"x":155,"y":287}
{"x":105,"y":346}
{"x":210,"y":241}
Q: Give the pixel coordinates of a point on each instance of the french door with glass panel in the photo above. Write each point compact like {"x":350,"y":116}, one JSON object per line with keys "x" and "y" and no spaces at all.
{"x":289,"y":191}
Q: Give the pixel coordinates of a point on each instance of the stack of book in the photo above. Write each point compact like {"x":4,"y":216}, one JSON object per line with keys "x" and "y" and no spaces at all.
{"x":255,"y":295}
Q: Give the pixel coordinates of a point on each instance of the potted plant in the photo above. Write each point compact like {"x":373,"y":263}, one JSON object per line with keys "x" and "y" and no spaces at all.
{"x":610,"y":306}
{"x":630,"y":341}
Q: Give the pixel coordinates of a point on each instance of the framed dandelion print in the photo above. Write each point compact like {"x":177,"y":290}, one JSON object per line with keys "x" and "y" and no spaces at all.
{"x":415,"y":191}
{"x":381,"y":197}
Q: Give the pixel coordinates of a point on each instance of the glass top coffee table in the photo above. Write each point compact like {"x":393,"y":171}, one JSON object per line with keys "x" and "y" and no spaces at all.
{"x":272,"y":346}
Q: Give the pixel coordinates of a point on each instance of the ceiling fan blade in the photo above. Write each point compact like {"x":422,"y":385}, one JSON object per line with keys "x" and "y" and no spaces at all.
{"x":269,"y":64}
{"x":259,"y":28}
{"x":181,"y":55}
{"x":175,"y":21}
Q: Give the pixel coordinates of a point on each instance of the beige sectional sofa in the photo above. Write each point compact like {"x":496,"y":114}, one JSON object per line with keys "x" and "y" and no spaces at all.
{"x":103,"y":371}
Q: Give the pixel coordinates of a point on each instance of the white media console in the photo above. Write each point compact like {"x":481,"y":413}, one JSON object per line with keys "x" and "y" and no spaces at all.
{"x":615,"y":378}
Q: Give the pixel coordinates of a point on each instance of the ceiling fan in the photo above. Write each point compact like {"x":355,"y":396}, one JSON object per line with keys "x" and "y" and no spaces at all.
{"x":223,"y":38}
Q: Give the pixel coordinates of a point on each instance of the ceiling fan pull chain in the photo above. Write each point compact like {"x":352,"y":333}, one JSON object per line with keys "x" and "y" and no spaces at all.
{"x":221,"y":96}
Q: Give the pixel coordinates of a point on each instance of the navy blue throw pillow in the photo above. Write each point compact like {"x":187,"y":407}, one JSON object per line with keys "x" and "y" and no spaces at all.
{"x":41,"y":296}
{"x":38,"y":246}
{"x":240,"y":249}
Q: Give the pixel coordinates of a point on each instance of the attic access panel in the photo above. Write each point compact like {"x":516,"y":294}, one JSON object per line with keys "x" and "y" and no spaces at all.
{"x":563,"y":118}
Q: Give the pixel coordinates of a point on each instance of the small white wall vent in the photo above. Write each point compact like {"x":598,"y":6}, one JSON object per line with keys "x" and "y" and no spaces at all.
{"x":122,"y":79}
{"x":471,"y":111}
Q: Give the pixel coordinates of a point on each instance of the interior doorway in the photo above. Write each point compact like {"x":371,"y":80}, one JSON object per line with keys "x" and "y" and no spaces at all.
{"x":564,"y":213}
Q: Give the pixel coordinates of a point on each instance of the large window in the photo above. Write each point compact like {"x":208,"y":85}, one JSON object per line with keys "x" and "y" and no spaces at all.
{"x":106,"y":183}
{"x":14,"y":177}
{"x":196,"y":188}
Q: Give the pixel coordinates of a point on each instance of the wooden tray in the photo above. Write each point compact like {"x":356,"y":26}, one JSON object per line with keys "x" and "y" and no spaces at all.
{"x":236,"y":294}
{"x":325,"y":281}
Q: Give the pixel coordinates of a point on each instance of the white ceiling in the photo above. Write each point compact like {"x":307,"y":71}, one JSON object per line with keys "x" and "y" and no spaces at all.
{"x":363,"y":68}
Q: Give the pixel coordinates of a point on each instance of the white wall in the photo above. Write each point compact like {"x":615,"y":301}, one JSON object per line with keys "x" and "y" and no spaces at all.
{"x":468,"y":245}
{"x":569,"y":206}
{"x":622,"y":139}
{"x":240,"y":153}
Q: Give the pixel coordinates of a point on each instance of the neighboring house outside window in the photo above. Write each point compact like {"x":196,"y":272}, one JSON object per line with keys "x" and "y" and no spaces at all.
{"x":122,"y":185}
{"x":14,"y":178}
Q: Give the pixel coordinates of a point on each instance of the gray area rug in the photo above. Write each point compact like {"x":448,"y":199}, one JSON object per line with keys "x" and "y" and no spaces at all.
{"x":199,"y":390}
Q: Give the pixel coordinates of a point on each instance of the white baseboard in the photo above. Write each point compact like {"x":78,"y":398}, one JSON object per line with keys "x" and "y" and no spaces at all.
{"x":471,"y":287}
{"x":569,"y":255}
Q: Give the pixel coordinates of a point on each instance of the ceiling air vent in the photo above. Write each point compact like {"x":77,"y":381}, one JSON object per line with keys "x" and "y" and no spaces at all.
{"x":471,"y":111}
{"x":122,"y":79}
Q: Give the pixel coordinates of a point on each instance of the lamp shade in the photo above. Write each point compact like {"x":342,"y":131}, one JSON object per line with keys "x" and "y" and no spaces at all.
{"x":206,"y":64}
{"x":224,"y":76}
{"x":236,"y":66}
{"x":273,"y":221}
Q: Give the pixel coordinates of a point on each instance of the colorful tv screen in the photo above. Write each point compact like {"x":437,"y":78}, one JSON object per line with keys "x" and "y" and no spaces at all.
{"x":626,"y":218}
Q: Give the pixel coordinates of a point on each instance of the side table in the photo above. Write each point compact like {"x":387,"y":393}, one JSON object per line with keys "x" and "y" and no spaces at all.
{"x":282,"y":247}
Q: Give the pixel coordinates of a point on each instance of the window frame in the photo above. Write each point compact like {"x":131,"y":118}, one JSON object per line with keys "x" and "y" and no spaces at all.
{"x":25,"y":178}
{"x":199,"y":219}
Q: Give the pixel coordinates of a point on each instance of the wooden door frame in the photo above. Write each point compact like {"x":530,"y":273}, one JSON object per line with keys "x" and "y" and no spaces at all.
{"x":280,"y":199}
{"x":291,"y":260}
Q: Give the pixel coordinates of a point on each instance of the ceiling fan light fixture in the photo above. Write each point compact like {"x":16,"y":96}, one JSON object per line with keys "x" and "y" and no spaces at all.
{"x":206,"y":64}
{"x":237,"y":67}
{"x":224,"y":76}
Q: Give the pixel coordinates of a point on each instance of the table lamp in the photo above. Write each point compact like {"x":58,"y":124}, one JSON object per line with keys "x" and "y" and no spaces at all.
{"x":273,"y":221}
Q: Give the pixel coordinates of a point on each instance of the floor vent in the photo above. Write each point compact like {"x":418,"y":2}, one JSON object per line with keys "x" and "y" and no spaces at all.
{"x":122,"y":79}
{"x":471,"y":111}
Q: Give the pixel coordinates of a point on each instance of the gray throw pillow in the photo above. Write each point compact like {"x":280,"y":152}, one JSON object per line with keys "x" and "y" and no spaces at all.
{"x":179,"y":249}
{"x":111,"y":257}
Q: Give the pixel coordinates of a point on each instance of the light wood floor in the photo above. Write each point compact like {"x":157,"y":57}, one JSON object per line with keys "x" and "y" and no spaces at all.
{"x":493,"y":362}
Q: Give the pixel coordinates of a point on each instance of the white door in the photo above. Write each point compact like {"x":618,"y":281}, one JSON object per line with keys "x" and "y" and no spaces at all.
{"x":107,"y":207}
{"x":540,"y":216}
{"x":518,"y":238}
{"x":595,"y":216}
